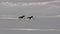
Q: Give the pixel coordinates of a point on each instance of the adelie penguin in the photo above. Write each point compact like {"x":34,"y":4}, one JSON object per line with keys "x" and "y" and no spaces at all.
{"x":30,"y":17}
{"x":21,"y":17}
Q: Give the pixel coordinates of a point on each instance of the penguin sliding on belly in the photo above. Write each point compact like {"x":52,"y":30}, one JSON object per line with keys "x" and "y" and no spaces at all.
{"x":21,"y":17}
{"x":30,"y":17}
